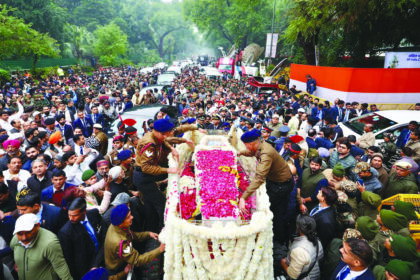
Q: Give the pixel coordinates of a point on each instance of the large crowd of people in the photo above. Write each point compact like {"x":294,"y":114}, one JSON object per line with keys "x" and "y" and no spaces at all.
{"x":72,"y":207}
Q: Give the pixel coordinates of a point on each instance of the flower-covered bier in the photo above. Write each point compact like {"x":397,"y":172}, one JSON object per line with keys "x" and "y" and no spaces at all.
{"x":188,"y":192}
{"x":218,"y":190}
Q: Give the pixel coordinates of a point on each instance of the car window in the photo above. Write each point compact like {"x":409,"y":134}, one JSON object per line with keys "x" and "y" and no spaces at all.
{"x":379,"y":123}
{"x":396,"y":131}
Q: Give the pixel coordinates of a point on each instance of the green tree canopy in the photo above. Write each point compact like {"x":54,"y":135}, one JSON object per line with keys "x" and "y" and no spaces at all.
{"x":238,"y":22}
{"x":45,"y":16}
{"x":18,"y":38}
{"x":80,"y":41}
{"x":111,"y":45}
{"x":352,"y":27}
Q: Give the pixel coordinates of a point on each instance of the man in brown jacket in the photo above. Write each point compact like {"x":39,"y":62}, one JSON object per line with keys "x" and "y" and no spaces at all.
{"x":151,"y":165}
{"x":102,"y":139}
{"x":148,"y":98}
{"x":119,"y":251}
{"x":273,"y":170}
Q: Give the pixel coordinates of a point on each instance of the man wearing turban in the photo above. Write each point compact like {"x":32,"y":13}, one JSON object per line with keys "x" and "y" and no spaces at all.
{"x":12,"y":150}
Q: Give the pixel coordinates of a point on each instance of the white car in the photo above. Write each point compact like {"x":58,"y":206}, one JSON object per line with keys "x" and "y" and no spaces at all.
{"x":160,"y":65}
{"x":211,"y":72}
{"x":392,"y":121}
{"x":174,"y":68}
{"x":165,"y":78}
{"x":146,"y":70}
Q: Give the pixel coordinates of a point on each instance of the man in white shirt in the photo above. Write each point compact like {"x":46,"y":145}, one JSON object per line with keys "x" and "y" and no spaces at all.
{"x":81,"y":150}
{"x":4,"y":121}
{"x":73,"y":169}
{"x":16,"y":173}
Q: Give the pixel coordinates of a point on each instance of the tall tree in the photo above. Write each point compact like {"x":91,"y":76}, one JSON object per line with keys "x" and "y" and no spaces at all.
{"x":19,"y":38}
{"x":90,"y":13}
{"x":238,"y":22}
{"x":355,"y":27}
{"x":80,"y":41}
{"x":45,"y":15}
{"x":111,"y":45}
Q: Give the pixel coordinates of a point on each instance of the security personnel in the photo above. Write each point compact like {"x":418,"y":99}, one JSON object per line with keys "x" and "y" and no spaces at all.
{"x":175,"y":137}
{"x":216,"y":122}
{"x":117,"y":147}
{"x":284,"y":131}
{"x":151,"y":165}
{"x":249,"y":124}
{"x":275,"y":172}
{"x":242,"y":124}
{"x":126,"y":163}
{"x":266,"y":132}
{"x":201,"y":121}
{"x":130,"y":133}
{"x":119,"y":251}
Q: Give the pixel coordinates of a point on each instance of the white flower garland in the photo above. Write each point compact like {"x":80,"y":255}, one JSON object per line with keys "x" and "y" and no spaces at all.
{"x":239,"y":251}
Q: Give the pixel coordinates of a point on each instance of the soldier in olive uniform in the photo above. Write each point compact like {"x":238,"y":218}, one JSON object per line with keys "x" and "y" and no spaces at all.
{"x":275,"y":172}
{"x":151,"y":165}
{"x":119,"y":251}
{"x":130,"y":133}
{"x":101,"y":137}
{"x":40,"y":102}
{"x":201,"y":122}
{"x":126,"y":159}
{"x":117,"y":147}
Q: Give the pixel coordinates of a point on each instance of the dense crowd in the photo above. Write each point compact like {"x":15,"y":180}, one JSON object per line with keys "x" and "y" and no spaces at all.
{"x":70,"y":205}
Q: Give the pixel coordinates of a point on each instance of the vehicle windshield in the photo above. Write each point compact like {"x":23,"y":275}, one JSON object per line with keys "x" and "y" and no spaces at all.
{"x":166,"y":78}
{"x":379,"y":123}
{"x":225,"y":67}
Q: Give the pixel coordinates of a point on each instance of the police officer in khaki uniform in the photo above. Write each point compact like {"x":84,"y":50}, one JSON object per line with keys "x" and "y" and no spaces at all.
{"x":126,"y":163}
{"x":119,"y":251}
{"x":102,"y":139}
{"x":117,"y":147}
{"x":275,"y":172}
{"x":130,"y":133}
{"x":151,"y":165}
{"x":176,"y":134}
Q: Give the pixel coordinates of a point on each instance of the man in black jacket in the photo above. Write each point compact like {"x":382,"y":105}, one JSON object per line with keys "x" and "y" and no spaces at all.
{"x":81,"y":239}
{"x":41,"y":178}
{"x":50,"y":217}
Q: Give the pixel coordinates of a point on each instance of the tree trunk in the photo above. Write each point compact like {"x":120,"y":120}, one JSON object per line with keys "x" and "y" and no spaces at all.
{"x":309,"y":53}
{"x":34,"y":61}
{"x":244,"y":42}
{"x":160,"y":46}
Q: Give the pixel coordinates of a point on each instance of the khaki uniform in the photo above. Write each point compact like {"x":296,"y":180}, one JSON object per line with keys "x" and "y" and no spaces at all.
{"x":149,"y":153}
{"x":130,"y":146}
{"x":271,"y":166}
{"x":119,"y":250}
{"x":128,"y":176}
{"x":112,"y":157}
{"x":150,"y":167}
{"x":180,"y":130}
{"x":275,"y":172}
{"x":148,"y":99}
{"x":275,"y":128}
